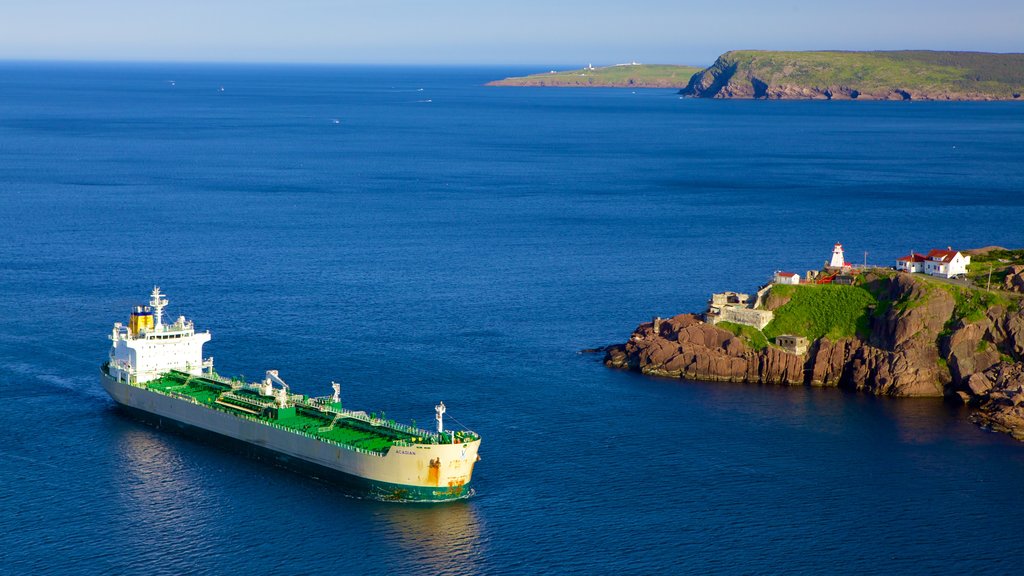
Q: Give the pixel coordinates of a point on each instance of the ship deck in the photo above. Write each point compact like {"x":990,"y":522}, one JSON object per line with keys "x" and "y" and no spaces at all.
{"x":364,"y":435}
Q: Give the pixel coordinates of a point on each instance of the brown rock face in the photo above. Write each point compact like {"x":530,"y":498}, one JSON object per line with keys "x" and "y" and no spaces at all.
{"x":1001,"y":398}
{"x":968,"y":353}
{"x":852,"y":364}
{"x":686,"y":347}
{"x":915,"y":318}
{"x":1006,"y":329}
{"x":1014,"y":281}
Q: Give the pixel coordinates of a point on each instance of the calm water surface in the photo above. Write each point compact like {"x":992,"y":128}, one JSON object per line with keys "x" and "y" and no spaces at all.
{"x":422,"y":238}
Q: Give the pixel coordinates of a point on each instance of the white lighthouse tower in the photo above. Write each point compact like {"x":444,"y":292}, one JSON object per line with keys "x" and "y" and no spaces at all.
{"x":838,"y":260}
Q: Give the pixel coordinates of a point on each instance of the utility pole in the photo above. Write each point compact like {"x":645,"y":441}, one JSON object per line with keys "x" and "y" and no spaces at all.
{"x":989,"y":285}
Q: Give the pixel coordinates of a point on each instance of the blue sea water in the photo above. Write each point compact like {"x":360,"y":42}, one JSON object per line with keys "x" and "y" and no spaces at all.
{"x":420,"y":237}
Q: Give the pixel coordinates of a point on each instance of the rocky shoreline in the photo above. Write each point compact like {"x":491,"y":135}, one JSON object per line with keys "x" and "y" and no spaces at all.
{"x":918,"y":342}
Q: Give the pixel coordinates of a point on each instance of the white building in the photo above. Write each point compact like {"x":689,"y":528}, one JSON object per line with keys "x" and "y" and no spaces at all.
{"x":912,"y":263}
{"x":943,"y":263}
{"x":838,"y":259}
{"x":787,"y":278}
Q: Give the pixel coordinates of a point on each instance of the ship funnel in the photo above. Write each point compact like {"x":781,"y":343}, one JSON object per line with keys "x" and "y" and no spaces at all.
{"x":141,"y":319}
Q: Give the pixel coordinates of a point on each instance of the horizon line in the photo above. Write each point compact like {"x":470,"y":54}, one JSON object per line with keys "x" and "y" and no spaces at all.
{"x":257,"y":62}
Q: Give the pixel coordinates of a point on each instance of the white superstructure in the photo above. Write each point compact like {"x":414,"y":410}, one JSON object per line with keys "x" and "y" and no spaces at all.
{"x":147,"y":347}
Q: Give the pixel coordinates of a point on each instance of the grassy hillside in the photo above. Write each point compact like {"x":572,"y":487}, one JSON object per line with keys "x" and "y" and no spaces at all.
{"x":997,"y":260}
{"x":864,"y":75}
{"x":821,"y":311}
{"x":623,"y":76}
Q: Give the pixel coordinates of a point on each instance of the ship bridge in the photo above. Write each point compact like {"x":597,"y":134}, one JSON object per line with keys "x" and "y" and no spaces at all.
{"x":147,"y":348}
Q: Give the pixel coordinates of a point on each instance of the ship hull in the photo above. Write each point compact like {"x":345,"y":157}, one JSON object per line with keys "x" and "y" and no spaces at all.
{"x":402,"y":474}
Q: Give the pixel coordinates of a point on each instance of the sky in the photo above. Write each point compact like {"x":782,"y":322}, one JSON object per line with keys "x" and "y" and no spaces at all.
{"x":512,"y":32}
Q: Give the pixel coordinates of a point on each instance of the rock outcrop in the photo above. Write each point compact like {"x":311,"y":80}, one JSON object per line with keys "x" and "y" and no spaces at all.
{"x":917,"y":346}
{"x":1014,"y":280}
{"x":999,"y":395}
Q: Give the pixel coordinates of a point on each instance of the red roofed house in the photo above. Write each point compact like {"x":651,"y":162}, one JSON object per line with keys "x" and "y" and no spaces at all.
{"x":787,"y":278}
{"x":913,"y":263}
{"x":944,"y":263}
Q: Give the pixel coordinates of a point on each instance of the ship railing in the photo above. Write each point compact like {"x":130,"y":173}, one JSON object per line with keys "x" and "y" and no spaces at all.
{"x":325,"y":404}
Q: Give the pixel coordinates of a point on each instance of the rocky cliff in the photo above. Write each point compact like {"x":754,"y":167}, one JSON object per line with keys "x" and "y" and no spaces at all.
{"x":898,"y":75}
{"x":923,"y":338}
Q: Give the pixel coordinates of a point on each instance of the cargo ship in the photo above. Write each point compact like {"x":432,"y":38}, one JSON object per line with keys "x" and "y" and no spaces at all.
{"x":157,"y":373}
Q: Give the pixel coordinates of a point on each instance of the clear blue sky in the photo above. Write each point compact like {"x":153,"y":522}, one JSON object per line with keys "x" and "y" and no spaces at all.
{"x":492,"y":32}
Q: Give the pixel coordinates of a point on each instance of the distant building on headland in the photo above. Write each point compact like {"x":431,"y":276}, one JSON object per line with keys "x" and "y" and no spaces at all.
{"x":735,"y":307}
{"x":942,"y":263}
{"x":787,"y":278}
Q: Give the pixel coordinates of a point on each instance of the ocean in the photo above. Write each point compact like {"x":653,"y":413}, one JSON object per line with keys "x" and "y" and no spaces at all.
{"x":420,"y":237}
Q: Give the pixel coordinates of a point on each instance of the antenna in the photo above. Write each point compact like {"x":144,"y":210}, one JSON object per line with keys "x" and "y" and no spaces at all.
{"x":157,"y":301}
{"x":439,"y":409}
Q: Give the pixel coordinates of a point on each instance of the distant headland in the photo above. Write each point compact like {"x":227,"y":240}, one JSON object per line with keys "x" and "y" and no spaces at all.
{"x":935,"y":324}
{"x":824,"y":75}
{"x":632,"y":75}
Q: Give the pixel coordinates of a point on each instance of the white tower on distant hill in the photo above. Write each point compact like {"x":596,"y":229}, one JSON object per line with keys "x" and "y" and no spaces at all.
{"x":838,"y":260}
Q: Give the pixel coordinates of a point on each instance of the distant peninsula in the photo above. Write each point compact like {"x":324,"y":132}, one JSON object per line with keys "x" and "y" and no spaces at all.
{"x":944,"y":324}
{"x":899,"y":75}
{"x":630,"y":75}
{"x":823,"y":75}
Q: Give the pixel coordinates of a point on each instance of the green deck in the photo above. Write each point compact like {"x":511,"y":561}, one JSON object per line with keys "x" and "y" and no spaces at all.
{"x":307,"y":418}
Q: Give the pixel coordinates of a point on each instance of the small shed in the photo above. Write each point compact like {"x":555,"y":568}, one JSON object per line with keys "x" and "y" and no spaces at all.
{"x":791,"y":343}
{"x":787,"y":278}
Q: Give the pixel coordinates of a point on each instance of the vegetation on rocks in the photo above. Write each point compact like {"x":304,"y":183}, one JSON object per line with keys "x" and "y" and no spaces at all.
{"x":751,"y":336}
{"x":993,"y":265}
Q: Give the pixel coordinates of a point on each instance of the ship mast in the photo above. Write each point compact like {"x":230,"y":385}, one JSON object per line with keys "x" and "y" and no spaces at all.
{"x":439,"y":409}
{"x":157,"y":301}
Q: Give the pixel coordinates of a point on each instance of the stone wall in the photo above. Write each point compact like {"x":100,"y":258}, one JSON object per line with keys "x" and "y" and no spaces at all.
{"x":738,"y":315}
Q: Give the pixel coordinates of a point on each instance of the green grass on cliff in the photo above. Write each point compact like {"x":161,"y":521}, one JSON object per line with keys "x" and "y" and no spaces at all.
{"x":996,"y":261}
{"x":750,"y":335}
{"x":972,"y":303}
{"x":637,"y":76}
{"x":828,"y":311}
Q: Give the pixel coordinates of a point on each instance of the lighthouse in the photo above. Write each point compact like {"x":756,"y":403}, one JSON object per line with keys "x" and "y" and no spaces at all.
{"x":838,"y":260}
